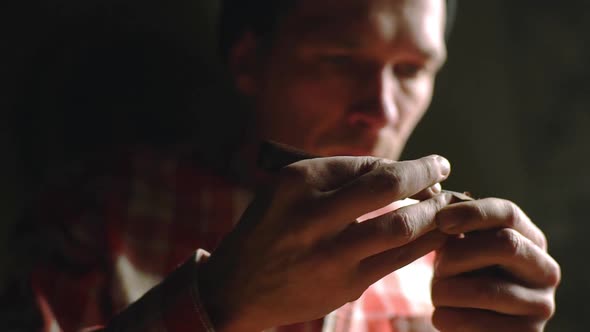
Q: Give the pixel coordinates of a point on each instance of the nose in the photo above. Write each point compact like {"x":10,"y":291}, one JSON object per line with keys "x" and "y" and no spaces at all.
{"x":376,"y":107}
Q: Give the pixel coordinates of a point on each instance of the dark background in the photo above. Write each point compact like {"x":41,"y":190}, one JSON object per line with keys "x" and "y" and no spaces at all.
{"x":511,"y":109}
{"x":512,"y":113}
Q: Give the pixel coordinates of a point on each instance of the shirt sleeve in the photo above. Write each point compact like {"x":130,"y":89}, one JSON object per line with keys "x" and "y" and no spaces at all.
{"x":172,"y":306}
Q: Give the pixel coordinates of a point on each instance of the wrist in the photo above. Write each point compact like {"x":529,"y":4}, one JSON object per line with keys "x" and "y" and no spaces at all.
{"x":222,"y":312}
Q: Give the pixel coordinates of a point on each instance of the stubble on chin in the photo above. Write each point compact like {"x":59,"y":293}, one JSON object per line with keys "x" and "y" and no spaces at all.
{"x":388,"y":146}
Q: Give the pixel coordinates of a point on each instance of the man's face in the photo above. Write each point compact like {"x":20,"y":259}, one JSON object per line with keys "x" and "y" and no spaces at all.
{"x":349,"y":77}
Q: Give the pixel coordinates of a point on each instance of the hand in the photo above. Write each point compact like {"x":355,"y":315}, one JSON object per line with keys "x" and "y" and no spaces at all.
{"x":498,"y":276}
{"x":298,"y":253}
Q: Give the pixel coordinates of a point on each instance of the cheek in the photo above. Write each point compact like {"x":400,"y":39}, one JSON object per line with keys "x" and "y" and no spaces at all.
{"x":415,"y":100}
{"x":292,"y":104}
{"x":307,"y":96}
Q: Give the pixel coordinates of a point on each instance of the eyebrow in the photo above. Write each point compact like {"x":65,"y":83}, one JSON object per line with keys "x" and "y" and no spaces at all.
{"x":439,"y":56}
{"x":329,"y":33}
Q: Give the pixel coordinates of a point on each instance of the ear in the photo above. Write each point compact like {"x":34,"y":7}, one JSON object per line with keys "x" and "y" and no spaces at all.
{"x":244,"y":64}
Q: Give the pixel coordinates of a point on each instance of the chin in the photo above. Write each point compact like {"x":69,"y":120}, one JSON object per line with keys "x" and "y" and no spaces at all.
{"x":389,"y":147}
{"x":341,"y":150}
{"x":388,"y":152}
{"x":383,"y":145}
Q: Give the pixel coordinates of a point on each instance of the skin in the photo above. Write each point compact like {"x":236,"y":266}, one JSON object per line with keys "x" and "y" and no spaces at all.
{"x":354,"y":77}
{"x":298,"y":241}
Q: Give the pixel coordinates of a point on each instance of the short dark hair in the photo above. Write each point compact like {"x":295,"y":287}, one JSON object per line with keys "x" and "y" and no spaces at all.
{"x":261,"y":17}
{"x":258,"y":16}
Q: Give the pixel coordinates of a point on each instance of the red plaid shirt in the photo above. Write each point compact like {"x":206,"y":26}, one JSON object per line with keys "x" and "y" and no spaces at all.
{"x":144,"y":219}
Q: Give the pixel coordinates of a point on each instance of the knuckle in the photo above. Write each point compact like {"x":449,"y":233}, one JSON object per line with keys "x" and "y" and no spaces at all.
{"x":437,"y":320}
{"x":297,"y":180}
{"x":513,"y":213}
{"x":539,"y":238}
{"x":390,"y":179}
{"x":542,"y":241}
{"x":489,"y":292}
{"x":443,"y":319}
{"x":355,"y":288}
{"x":439,"y":291}
{"x":510,"y":241}
{"x":293,"y":173}
{"x":514,"y":217}
{"x":545,"y":309}
{"x":440,"y":201}
{"x":401,"y":226}
{"x":478,"y":211}
{"x":367,"y":164}
{"x":353,"y":296}
{"x":355,"y":293}
{"x":475,"y":212}
{"x":431,"y":167}
{"x":554,"y":275}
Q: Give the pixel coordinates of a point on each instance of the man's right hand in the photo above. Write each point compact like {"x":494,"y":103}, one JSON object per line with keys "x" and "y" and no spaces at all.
{"x":298,"y":252}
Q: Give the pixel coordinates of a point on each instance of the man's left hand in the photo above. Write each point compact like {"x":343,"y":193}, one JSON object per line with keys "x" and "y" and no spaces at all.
{"x":498,"y":276}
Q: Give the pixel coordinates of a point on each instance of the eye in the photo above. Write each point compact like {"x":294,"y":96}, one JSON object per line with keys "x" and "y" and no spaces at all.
{"x":407,"y":70}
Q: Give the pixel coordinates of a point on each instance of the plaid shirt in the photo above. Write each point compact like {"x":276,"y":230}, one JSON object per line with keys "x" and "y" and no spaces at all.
{"x":144,"y":219}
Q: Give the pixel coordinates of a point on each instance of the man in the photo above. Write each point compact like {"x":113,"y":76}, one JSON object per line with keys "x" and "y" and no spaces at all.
{"x":331,"y":78}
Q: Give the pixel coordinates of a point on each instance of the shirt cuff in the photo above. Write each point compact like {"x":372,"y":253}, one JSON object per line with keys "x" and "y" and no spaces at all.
{"x":182,"y":309}
{"x":172,"y":306}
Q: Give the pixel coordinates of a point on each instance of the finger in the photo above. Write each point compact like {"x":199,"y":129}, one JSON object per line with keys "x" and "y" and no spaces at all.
{"x":373,"y":268}
{"x":386,"y":182}
{"x":458,"y":196}
{"x":386,"y":209}
{"x":479,"y":291}
{"x":391,"y":230}
{"x":428,"y":192}
{"x":475,"y":320}
{"x":330,"y":173}
{"x":485,"y":214}
{"x":506,"y":248}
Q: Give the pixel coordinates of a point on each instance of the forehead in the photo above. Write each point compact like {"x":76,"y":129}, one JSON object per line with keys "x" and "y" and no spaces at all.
{"x":367,"y":22}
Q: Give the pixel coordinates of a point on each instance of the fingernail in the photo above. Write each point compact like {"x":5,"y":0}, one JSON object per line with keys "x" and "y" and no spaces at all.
{"x":445,"y":165}
{"x":436,"y":189}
